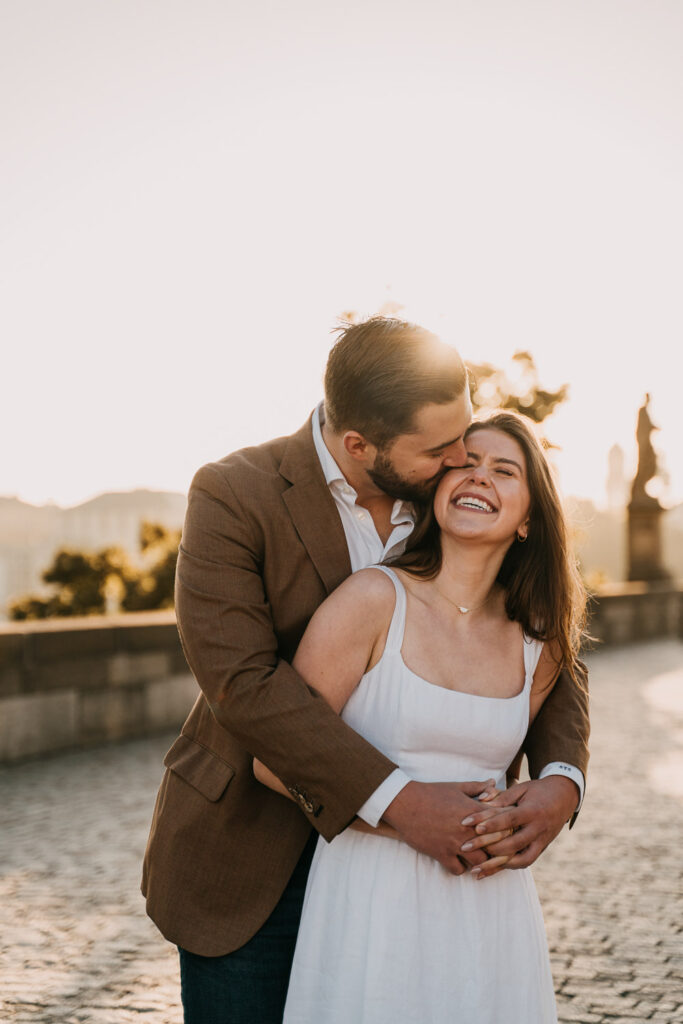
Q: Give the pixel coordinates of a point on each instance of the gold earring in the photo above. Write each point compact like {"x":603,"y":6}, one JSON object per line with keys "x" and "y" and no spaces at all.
{"x":521,"y":539}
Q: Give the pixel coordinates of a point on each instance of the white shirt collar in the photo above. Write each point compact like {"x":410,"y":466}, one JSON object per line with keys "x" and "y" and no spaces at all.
{"x":401,"y":512}
{"x":332,"y":472}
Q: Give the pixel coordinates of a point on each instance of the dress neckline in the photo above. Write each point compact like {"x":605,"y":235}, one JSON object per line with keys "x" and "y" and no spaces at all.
{"x":463,"y":693}
{"x":394,"y":645}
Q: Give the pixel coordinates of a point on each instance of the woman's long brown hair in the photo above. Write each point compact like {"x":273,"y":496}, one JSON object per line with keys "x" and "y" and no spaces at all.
{"x":543,"y":589}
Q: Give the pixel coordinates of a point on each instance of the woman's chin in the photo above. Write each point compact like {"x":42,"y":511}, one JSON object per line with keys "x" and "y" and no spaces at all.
{"x":478,"y":533}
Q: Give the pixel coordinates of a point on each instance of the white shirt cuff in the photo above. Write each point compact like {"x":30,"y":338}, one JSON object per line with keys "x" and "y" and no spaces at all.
{"x":375,"y":806}
{"x":569,"y":772}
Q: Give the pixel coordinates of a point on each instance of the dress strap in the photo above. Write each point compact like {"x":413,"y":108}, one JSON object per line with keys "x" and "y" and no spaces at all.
{"x":532,"y":653}
{"x":398,"y":619}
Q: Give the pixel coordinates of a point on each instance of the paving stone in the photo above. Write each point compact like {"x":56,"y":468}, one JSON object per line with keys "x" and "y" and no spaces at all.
{"x":76,"y":947}
{"x":620,"y":866}
{"x":569,"y":1015}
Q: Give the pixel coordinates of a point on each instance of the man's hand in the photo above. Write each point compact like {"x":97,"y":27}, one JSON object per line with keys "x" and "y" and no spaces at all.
{"x":536,"y":811}
{"x":428,"y":815}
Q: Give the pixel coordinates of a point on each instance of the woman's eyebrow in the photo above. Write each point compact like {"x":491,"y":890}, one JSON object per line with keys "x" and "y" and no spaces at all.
{"x":497,"y":459}
{"x":509,"y":462}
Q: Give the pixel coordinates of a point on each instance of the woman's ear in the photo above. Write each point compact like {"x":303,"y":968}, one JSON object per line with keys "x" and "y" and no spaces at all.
{"x":523,"y":531}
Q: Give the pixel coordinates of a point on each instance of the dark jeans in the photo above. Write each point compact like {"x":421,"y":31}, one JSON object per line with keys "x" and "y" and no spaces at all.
{"x":248,"y":986}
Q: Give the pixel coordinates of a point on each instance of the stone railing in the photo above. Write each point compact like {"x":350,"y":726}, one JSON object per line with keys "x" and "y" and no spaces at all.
{"x":623,"y":613}
{"x":67,"y":684}
{"x":74,"y":683}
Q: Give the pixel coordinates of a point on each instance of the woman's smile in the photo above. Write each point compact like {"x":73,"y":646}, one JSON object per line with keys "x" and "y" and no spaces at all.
{"x":474,"y":503}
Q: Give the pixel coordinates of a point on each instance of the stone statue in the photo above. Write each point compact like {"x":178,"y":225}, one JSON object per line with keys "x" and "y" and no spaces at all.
{"x":647,"y":460}
{"x":644,"y":511}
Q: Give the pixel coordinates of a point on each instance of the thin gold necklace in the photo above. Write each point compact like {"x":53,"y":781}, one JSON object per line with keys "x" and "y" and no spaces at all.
{"x":461,"y":607}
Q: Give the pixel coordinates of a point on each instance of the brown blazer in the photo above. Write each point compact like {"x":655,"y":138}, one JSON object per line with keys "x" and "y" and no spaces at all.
{"x":262,"y":547}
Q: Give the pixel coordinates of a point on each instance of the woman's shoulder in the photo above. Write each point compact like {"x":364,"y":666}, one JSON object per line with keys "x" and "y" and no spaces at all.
{"x":371,"y":586}
{"x":354,"y":617}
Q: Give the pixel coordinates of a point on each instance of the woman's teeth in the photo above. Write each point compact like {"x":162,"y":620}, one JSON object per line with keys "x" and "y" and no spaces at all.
{"x":476,"y":503}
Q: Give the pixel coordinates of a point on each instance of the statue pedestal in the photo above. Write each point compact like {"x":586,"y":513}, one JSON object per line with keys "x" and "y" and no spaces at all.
{"x":645,"y":540}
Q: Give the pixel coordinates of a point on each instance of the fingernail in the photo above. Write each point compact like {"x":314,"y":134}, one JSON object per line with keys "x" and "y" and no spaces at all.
{"x":467,"y":846}
{"x":480,"y":828}
{"x":476,"y":872}
{"x":467,"y":821}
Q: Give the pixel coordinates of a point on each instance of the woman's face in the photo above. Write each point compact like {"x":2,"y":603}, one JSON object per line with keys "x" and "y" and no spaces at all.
{"x":488,"y":497}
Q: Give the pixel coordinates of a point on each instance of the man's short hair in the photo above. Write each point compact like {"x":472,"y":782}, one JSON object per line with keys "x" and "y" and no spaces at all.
{"x":381,"y":372}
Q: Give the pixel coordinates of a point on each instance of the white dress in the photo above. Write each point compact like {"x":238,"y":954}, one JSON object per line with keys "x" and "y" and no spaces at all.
{"x":387,"y":935}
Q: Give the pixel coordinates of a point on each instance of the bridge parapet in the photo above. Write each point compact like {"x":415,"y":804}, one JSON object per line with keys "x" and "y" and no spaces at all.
{"x":69,"y":684}
{"x":623,"y":613}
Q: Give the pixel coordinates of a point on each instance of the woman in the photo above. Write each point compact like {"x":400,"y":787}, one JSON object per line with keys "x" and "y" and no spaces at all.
{"x":441,"y":661}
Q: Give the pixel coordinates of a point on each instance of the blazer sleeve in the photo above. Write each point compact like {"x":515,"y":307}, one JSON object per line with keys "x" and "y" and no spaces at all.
{"x":227,"y":633}
{"x":561,"y":728}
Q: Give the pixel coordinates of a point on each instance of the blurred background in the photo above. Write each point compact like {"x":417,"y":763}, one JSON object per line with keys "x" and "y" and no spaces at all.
{"x":194,"y":194}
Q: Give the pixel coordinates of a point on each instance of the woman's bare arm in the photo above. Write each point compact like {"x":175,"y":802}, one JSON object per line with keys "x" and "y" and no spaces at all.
{"x":343,"y":640}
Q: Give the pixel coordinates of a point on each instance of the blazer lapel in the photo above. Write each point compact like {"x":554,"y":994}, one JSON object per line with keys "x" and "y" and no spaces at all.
{"x":313,"y":511}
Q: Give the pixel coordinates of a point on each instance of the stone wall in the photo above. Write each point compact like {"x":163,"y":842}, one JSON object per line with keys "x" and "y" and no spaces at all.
{"x":67,"y":684}
{"x":623,"y":613}
{"x":74,"y":683}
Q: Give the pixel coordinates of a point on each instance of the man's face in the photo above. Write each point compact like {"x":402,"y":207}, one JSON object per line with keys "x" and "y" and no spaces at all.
{"x":411,"y":466}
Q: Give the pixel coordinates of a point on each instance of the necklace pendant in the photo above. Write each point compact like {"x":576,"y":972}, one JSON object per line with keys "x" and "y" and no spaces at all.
{"x":461,"y":609}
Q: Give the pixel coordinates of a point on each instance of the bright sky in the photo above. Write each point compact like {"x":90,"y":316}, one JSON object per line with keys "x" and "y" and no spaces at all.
{"x":193,"y":190}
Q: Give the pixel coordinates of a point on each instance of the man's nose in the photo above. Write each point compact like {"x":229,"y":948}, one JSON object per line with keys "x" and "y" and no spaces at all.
{"x":456,"y":455}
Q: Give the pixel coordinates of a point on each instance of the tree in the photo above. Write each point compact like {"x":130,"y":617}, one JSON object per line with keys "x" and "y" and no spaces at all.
{"x":82,"y":582}
{"x":153,"y":587}
{"x":491,"y":388}
{"x":93,"y":583}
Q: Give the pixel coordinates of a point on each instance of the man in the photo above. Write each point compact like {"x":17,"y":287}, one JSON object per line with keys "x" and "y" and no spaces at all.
{"x":269,"y":533}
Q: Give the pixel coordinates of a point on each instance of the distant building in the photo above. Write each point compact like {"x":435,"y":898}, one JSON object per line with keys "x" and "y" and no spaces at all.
{"x":31,"y":534}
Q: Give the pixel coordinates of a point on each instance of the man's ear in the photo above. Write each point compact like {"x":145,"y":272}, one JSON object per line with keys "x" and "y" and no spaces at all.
{"x":357,"y":447}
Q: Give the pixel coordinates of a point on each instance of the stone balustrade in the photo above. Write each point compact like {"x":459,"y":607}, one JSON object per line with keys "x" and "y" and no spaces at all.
{"x":68,"y":684}
{"x":623,"y":613}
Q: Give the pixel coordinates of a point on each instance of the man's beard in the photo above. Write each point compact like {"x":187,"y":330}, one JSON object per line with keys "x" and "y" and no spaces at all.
{"x":384,"y":476}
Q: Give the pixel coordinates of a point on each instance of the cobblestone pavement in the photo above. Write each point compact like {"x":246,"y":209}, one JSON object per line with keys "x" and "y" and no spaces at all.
{"x":75,"y":945}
